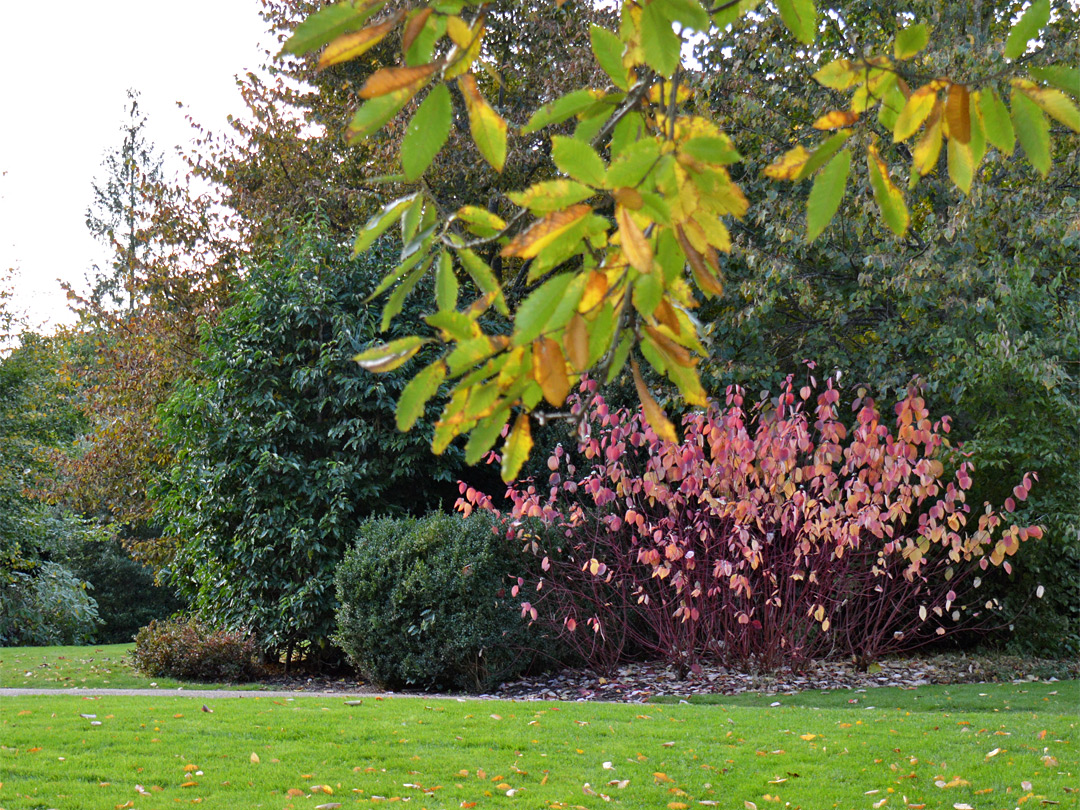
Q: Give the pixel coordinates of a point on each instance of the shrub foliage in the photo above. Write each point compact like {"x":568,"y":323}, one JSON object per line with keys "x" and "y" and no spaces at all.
{"x":187,"y":648}
{"x":770,"y":534}
{"x":425,"y":603}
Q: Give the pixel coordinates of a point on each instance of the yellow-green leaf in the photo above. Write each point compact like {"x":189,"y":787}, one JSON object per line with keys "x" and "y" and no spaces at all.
{"x":483,"y":277}
{"x":480,"y":221}
{"x":446,"y":285}
{"x":961,"y":164}
{"x":537,"y":309}
{"x":837,"y":75}
{"x":996,"y":121}
{"x":823,"y":154}
{"x":377,"y":225}
{"x":487,"y":127}
{"x":659,"y":43}
{"x":1054,"y":103}
{"x":911,"y":40}
{"x":608,"y":50}
{"x":551,"y":195}
{"x":888,"y":197}
{"x":388,"y":356}
{"x":517,"y":447}
{"x":543,"y":232}
{"x":916,"y":110}
{"x":426,"y":133}
{"x":329,"y":23}
{"x":376,"y":112}
{"x":483,"y":436}
{"x":1062,"y":77}
{"x":1027,"y":28}
{"x":350,"y":46}
{"x":558,"y":111}
{"x":826,"y":194}
{"x":654,"y":414}
{"x":578,"y":159}
{"x":1032,"y":130}
{"x":416,"y":394}
{"x":800,"y":18}
{"x":715,"y":151}
{"x":928,"y":148}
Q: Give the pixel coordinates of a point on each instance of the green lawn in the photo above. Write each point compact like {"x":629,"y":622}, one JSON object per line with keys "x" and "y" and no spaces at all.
{"x":104,"y":665}
{"x":933,"y":747}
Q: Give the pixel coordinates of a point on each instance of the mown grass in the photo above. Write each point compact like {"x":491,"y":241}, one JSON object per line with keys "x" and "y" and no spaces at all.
{"x":1062,"y":697}
{"x":445,"y":753}
{"x":102,"y":666}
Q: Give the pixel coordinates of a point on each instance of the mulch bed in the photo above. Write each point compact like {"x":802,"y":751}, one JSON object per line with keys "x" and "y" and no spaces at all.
{"x":636,"y":683}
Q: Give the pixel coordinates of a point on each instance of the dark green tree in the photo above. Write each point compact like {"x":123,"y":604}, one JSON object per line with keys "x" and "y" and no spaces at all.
{"x":284,"y":444}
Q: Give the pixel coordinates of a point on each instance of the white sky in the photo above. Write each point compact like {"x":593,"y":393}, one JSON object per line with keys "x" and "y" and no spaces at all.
{"x":65,"y":70}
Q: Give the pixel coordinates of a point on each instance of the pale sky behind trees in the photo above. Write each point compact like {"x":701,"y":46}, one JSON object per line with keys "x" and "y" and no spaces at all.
{"x":67,"y":66}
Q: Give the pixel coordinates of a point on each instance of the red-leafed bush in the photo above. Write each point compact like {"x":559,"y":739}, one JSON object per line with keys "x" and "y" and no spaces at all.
{"x":771,"y":535}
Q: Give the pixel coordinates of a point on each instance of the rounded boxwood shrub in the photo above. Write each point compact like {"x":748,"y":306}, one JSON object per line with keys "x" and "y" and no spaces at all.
{"x":425,"y":603}
{"x":187,"y":648}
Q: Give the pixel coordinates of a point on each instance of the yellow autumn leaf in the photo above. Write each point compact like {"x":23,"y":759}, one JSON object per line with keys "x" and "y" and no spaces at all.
{"x":543,"y":232}
{"x":596,"y":287}
{"x":350,"y":46}
{"x":924,"y":156}
{"x":487,"y":127}
{"x":916,"y":110}
{"x":789,"y":165}
{"x":836,"y":119}
{"x":549,"y":370}
{"x":654,"y":414}
{"x":516,"y":449}
{"x":576,"y":341}
{"x":254,"y":758}
{"x":387,"y":80}
{"x":635,"y":246}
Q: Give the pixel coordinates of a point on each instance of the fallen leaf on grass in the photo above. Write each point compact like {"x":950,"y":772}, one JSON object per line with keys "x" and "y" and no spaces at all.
{"x":328,"y":806}
{"x":189,"y":784}
{"x":993,"y":753}
{"x":294,"y":792}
